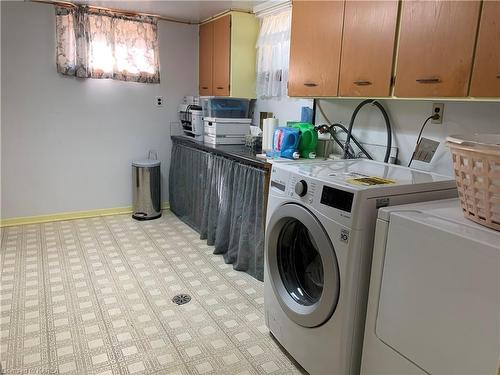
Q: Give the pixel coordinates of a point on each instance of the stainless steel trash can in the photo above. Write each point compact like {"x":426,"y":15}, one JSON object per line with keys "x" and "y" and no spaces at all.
{"x":146,"y":189}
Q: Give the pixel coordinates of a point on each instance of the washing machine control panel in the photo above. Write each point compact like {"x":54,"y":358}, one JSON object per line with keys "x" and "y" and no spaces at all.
{"x":279,"y":181}
{"x":300,"y":187}
{"x":336,"y":198}
{"x":329,"y":200}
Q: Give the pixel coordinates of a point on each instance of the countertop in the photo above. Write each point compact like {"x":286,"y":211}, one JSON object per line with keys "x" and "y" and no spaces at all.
{"x":239,"y":153}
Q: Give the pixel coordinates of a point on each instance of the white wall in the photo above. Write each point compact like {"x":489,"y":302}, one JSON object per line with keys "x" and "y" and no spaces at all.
{"x":67,"y":144}
{"x":406,"y":119}
{"x":285,"y":109}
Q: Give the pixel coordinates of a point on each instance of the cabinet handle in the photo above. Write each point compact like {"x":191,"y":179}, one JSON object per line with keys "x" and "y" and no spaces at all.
{"x":310,"y":84}
{"x":362,"y":83}
{"x":205,"y":88}
{"x":219,"y":88}
{"x":498,"y":77}
{"x":428,"y":80}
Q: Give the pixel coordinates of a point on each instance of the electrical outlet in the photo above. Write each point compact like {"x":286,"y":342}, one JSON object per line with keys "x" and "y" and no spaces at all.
{"x":437,"y":109}
{"x":159,"y":101}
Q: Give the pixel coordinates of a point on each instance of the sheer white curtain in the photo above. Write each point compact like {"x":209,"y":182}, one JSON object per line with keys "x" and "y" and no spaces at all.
{"x":273,"y":54}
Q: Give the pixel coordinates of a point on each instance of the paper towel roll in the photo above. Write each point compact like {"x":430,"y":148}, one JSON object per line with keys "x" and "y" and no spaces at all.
{"x":268,"y":127}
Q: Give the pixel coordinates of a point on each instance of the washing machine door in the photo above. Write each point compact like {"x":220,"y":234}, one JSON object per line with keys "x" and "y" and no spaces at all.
{"x":302,"y":265}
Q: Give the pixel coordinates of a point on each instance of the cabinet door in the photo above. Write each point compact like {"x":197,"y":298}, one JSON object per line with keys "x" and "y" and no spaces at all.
{"x":205,"y":58}
{"x":222,"y":50}
{"x":435,"y":48}
{"x":368,"y":48}
{"x":315,"y":48}
{"x":486,"y":73}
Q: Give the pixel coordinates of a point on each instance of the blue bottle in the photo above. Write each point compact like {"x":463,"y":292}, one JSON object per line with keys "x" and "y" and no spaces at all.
{"x":286,"y":142}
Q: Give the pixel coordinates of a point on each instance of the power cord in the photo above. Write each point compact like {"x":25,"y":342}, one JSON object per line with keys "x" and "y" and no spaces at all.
{"x":433,"y":117}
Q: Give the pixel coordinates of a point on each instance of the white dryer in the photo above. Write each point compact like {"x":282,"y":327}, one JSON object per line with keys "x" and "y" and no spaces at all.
{"x":434,"y":300}
{"x":319,"y":235}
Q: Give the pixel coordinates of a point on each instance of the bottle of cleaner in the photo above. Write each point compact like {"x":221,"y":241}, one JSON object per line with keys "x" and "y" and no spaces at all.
{"x":308,"y":139}
{"x":286,"y":142}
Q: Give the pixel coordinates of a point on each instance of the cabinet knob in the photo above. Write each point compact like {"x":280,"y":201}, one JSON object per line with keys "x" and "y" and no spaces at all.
{"x":310,"y":84}
{"x":428,"y":80}
{"x":362,"y":83}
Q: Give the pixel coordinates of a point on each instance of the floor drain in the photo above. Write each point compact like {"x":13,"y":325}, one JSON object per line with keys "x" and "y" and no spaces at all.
{"x":181,"y":299}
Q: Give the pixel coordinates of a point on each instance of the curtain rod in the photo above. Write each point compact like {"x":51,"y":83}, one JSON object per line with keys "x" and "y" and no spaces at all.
{"x":119,"y":11}
{"x":129,"y":13}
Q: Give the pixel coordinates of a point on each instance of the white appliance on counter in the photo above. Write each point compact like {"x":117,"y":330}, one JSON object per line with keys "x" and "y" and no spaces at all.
{"x":319,"y":233}
{"x":191,"y":117}
{"x":228,"y":131}
{"x":434,"y":300}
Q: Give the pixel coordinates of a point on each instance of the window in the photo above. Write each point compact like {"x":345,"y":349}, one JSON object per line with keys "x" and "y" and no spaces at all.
{"x":94,"y":43}
{"x":273,"y":50}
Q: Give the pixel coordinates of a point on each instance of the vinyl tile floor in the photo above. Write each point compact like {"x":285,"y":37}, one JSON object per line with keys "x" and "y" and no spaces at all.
{"x":94,"y":296}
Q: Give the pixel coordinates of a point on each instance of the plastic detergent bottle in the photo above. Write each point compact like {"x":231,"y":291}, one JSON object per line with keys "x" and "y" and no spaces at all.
{"x":308,"y":139}
{"x":285,"y":142}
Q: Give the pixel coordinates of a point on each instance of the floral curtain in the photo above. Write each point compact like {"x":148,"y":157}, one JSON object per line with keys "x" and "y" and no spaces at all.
{"x":273,"y":52}
{"x":94,"y":43}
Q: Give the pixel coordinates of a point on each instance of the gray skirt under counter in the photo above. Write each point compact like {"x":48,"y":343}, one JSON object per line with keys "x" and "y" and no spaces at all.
{"x":221,"y":192}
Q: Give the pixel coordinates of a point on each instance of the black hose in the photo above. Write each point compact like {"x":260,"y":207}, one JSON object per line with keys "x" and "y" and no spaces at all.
{"x":337,"y":141}
{"x":387,"y":125}
{"x":355,"y":142}
{"x":314,"y":112}
{"x":351,"y":123}
{"x":388,"y":129}
{"x":331,"y":130}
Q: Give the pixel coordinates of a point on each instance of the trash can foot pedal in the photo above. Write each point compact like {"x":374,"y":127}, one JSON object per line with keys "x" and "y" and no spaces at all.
{"x":143,"y":216}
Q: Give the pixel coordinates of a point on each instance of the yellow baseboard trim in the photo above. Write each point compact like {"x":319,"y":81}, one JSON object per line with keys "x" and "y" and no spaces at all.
{"x":70,"y":216}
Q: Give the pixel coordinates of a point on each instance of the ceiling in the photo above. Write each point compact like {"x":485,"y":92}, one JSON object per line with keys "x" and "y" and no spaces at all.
{"x":194,"y":11}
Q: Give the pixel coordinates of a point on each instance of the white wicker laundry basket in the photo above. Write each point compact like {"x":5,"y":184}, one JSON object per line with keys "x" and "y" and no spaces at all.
{"x":476,"y":161}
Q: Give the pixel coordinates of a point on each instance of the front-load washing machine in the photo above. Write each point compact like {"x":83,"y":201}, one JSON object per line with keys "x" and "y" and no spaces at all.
{"x":319,"y":238}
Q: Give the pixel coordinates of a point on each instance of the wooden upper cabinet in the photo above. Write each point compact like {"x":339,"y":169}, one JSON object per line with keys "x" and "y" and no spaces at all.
{"x":486,"y":72}
{"x":368,"y":48}
{"x":222,"y":53}
{"x":315,"y":47}
{"x":227,"y":55}
{"x":436,"y":46}
{"x":206,"y":58}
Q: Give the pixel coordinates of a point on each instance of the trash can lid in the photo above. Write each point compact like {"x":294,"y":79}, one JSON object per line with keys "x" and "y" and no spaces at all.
{"x":146,"y":163}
